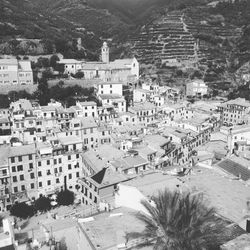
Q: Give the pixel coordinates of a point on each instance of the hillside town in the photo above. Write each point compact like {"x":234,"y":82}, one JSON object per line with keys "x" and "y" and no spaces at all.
{"x":116,"y":152}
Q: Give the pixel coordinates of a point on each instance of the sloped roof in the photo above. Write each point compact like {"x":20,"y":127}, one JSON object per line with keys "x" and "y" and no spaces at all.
{"x":106,"y":177}
{"x":95,"y":66}
{"x":130,"y":162}
{"x":24,"y":65}
{"x":234,"y":168}
{"x":88,"y":122}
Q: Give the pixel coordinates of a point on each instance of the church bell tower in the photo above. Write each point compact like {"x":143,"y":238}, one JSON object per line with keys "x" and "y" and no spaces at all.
{"x":105,"y":53}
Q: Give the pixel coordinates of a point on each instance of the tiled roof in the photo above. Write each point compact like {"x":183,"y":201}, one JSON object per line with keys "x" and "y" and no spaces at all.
{"x":235,"y":169}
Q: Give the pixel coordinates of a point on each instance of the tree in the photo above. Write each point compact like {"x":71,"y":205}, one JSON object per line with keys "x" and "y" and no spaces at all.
{"x":65,"y":198}
{"x":53,"y":61}
{"x":180,"y":222}
{"x":42,"y":204}
{"x":79,"y":75}
{"x":22,"y":210}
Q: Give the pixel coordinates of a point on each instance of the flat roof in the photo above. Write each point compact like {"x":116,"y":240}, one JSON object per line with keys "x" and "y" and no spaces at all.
{"x":108,"y":230}
{"x":22,"y":150}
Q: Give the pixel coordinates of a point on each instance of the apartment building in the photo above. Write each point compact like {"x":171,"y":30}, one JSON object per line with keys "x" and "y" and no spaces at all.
{"x":89,"y":109}
{"x":117,"y":102}
{"x":146,"y":112}
{"x":22,"y":167}
{"x":235,"y":112}
{"x":71,"y":66}
{"x":104,"y":88}
{"x":100,"y":188}
{"x":13,"y":71}
{"x":196,"y":87}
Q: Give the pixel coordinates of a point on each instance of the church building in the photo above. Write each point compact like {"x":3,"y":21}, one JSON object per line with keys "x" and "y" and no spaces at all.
{"x":120,"y":70}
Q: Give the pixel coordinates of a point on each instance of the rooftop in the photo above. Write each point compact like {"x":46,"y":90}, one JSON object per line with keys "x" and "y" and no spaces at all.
{"x":236,"y":167}
{"x":129,"y":162}
{"x":69,"y":61}
{"x":24,"y":65}
{"x":110,"y":96}
{"x":108,"y":230}
{"x":68,"y":140}
{"x":8,"y":61}
{"x":22,"y":150}
{"x":106,"y":177}
{"x":95,"y":66}
{"x":88,"y":122}
{"x":87,"y":104}
{"x":142,"y":106}
{"x":238,"y":102}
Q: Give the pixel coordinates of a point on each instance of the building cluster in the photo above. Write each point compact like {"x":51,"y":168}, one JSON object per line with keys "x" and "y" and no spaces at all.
{"x":90,"y":148}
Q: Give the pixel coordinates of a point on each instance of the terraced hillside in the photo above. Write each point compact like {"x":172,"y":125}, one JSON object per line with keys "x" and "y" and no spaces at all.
{"x":167,"y":39}
{"x":216,"y":37}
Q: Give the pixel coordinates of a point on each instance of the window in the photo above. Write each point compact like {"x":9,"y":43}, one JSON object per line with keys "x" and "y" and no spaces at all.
{"x":60,"y":160}
{"x":40,"y":184}
{"x":49,"y":182}
{"x":13,"y":169}
{"x":31,"y":165}
{"x":77,"y":174}
{"x":77,"y":156}
{"x":30,"y":157}
{"x":19,"y":158}
{"x":19,"y":168}
{"x":21,"y":177}
{"x":60,"y":169}
{"x":32,"y":185}
{"x":39,"y":164}
{"x":69,"y":166}
{"x":15,"y":189}
{"x":55,"y":161}
{"x":70,"y":176}
{"x":23,"y":187}
{"x":32,"y":175}
{"x":39,"y":173}
{"x":14,"y":179}
{"x":55,"y":170}
{"x":69,"y":157}
{"x":12,"y":159}
{"x":57,"y":180}
{"x":48,"y":162}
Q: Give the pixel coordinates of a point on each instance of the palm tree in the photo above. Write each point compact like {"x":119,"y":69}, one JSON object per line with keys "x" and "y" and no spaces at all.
{"x":178,"y":221}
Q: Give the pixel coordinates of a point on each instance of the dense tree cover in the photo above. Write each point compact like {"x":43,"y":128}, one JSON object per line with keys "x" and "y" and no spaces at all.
{"x":237,"y":13}
{"x":66,"y":95}
{"x":42,"y":204}
{"x":243,"y":91}
{"x":181,"y":222}
{"x":22,"y":210}
{"x":65,"y":198}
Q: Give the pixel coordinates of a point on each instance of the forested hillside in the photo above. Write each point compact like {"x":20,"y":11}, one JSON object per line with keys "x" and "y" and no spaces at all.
{"x":45,"y":26}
